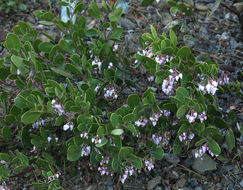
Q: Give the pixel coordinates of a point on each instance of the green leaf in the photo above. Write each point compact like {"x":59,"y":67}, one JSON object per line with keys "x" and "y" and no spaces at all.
{"x":214,"y":147}
{"x":115,"y":119}
{"x":30,"y":117}
{"x":104,"y":141}
{"x":43,"y":163}
{"x":73,"y":153}
{"x":47,"y":16}
{"x":117,"y":132}
{"x":18,"y":62}
{"x":45,"y":47}
{"x":94,"y":10}
{"x":181,"y":111}
{"x":5,"y":157}
{"x":61,"y":72}
{"x":181,"y":94}
{"x":133,"y":100}
{"x":131,"y":128}
{"x":157,"y":153}
{"x":6,"y":133}
{"x":79,"y":7}
{"x":146,"y":3}
{"x":184,"y":52}
{"x":154,"y":33}
{"x":173,"y":10}
{"x":12,"y":42}
{"x":59,"y":120}
{"x":230,"y":139}
{"x":125,"y":152}
{"x":177,"y":145}
{"x":116,"y":14}
{"x":115,"y":164}
{"x":220,"y":123}
{"x":46,"y":23}
{"x":136,"y":161}
{"x":22,"y":158}
{"x":173,"y":38}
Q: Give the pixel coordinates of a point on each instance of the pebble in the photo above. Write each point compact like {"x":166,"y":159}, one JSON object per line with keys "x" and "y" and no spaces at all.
{"x":171,"y":158}
{"x":203,"y":164}
{"x":181,"y":183}
{"x":198,"y":188}
{"x":154,"y":182}
{"x":201,"y":7}
{"x":193,"y":183}
{"x":241,"y":183}
{"x":230,"y":186}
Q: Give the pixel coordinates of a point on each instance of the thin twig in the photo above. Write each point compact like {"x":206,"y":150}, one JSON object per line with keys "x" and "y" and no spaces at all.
{"x":189,"y":170}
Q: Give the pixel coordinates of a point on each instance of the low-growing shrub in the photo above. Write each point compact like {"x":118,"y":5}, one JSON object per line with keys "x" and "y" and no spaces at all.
{"x":73,"y":101}
{"x":8,"y":5}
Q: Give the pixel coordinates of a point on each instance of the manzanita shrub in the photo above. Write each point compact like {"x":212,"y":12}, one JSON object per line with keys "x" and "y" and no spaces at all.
{"x":71,"y":106}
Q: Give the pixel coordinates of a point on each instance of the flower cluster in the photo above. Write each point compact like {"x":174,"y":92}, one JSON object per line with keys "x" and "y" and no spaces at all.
{"x":156,"y":138}
{"x":85,"y":150}
{"x":103,"y":169}
{"x":224,"y":79}
{"x":162,"y":59}
{"x":4,"y":187}
{"x":129,"y":170}
{"x":168,"y":83}
{"x":154,"y":118}
{"x":165,"y":113}
{"x":57,"y":107}
{"x":147,"y":52}
{"x":141,"y":122}
{"x":209,"y":88}
{"x":110,"y":93}
{"x":84,"y":134}
{"x":115,"y":47}
{"x":97,"y":62}
{"x":110,"y":65}
{"x":53,"y":177}
{"x":38,"y":123}
{"x":68,"y":125}
{"x":202,"y":116}
{"x":49,"y":139}
{"x":96,"y":140}
{"x":192,"y":117}
{"x":185,"y":136}
{"x":202,"y":150}
{"x":150,"y":78}
{"x":149,"y":164}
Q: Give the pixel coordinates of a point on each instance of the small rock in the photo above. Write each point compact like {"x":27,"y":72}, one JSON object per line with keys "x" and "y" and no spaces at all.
{"x":219,"y":185}
{"x":124,"y":5}
{"x":225,"y":36}
{"x":193,"y":183}
{"x":173,"y":175}
{"x":198,"y":188}
{"x":163,"y":4}
{"x":241,"y":183}
{"x":158,"y":188}
{"x":166,"y":18}
{"x":230,"y":186}
{"x":153,"y":182}
{"x":126,"y":23}
{"x":238,"y":7}
{"x":181,"y":183}
{"x":171,"y":158}
{"x":201,"y":7}
{"x":203,"y":33}
{"x":203,"y":164}
{"x":91,"y":187}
